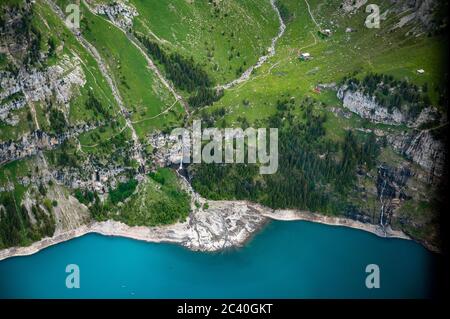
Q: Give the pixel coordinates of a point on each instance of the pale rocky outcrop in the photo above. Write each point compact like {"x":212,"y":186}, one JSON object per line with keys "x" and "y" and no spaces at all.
{"x":119,"y":13}
{"x":422,"y":148}
{"x":7,"y":108}
{"x":58,"y":81}
{"x":31,"y":143}
{"x":429,"y":114}
{"x":350,"y":6}
{"x":38,"y":85}
{"x":368,"y":108}
{"x":166,"y":149}
{"x":419,"y":146}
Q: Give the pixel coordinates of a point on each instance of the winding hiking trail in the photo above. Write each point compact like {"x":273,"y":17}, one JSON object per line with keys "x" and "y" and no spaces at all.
{"x":271,"y":52}
{"x":246,"y":76}
{"x":310,"y":13}
{"x":137,"y":148}
{"x":151,"y":65}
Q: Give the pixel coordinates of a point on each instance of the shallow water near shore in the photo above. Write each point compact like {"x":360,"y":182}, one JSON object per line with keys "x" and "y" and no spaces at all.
{"x":285,"y":260}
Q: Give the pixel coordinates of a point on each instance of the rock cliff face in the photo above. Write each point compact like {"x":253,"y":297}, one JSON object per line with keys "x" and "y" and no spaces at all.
{"x":59,"y":81}
{"x":36,"y":141}
{"x":167,"y":149}
{"x":119,"y":13}
{"x":368,"y":108}
{"x":415,"y":14}
{"x":34,"y":70}
{"x":7,"y":109}
{"x":391,"y":190}
{"x":422,"y":148}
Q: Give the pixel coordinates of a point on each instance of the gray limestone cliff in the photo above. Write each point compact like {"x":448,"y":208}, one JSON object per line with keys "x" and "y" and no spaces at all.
{"x":417,"y":144}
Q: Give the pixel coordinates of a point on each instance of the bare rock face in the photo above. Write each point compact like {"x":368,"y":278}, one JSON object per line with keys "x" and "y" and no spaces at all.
{"x":32,"y":143}
{"x":26,"y":79}
{"x":59,"y":81}
{"x":391,"y":190}
{"x":223,"y":225}
{"x":7,"y":108}
{"x":168,"y":149}
{"x":422,"y":148}
{"x":417,"y":16}
{"x":428,"y":115}
{"x":120,"y":13}
{"x":37,"y":85}
{"x":28,"y":145}
{"x":368,"y":108}
{"x":420,"y":14}
{"x":350,"y":6}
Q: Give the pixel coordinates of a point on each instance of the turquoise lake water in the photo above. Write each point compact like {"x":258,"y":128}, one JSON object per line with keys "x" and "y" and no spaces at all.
{"x":285,"y":260}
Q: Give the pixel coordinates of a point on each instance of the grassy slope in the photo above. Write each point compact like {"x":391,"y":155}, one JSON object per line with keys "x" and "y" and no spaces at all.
{"x":367,"y":50}
{"x":50,"y":26}
{"x":141,"y":91}
{"x":158,"y":200}
{"x":364,"y":51}
{"x":195,"y":28}
{"x":94,"y":79}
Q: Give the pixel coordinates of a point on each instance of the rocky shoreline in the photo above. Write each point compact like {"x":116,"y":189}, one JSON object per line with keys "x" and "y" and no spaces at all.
{"x":225,"y":224}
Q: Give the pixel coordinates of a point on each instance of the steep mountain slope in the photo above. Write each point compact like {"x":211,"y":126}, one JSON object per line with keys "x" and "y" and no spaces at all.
{"x":77,"y":108}
{"x":84,"y":113}
{"x":353,"y":143}
{"x":224,"y":36}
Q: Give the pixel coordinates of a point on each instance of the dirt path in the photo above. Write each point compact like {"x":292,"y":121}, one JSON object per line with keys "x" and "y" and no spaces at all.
{"x":137,"y":148}
{"x":157,"y":115}
{"x":310,"y":13}
{"x":150,"y":63}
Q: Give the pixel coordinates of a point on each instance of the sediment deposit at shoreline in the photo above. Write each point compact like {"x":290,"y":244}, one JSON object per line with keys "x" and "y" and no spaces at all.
{"x":226,"y":224}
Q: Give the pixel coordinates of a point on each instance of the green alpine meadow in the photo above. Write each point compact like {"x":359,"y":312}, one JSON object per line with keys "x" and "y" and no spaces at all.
{"x":224,"y":126}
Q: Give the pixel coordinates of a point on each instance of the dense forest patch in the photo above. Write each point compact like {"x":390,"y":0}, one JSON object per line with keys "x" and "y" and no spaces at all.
{"x":314,"y":173}
{"x":16,"y":227}
{"x":185,"y":74}
{"x":158,"y":200}
{"x":392,"y":93}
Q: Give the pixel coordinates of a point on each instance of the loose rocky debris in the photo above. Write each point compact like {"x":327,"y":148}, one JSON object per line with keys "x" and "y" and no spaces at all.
{"x":31,"y":143}
{"x":6,"y":111}
{"x":167,"y":149}
{"x":119,"y":13}
{"x":58,"y":81}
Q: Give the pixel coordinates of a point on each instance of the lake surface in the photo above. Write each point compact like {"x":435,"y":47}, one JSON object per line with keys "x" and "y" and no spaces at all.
{"x":285,"y":260}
